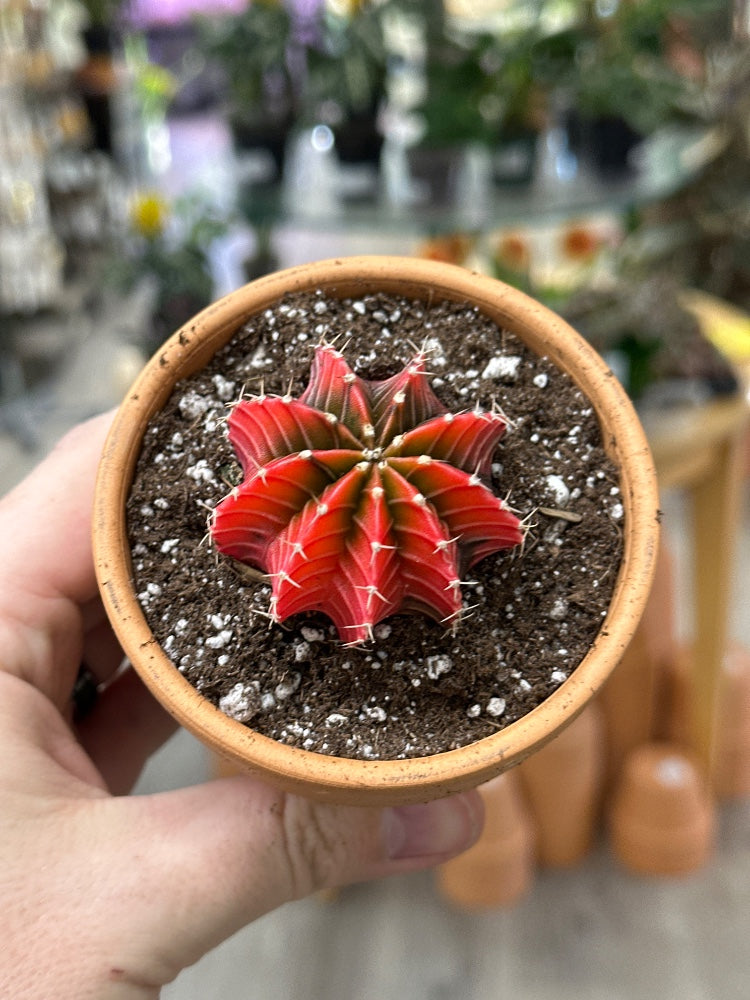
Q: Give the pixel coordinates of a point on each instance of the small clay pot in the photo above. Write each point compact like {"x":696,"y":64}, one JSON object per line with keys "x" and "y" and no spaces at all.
{"x":732,"y":764}
{"x":632,"y":697}
{"x":662,"y":818}
{"x":499,"y":869}
{"x":563,"y":784}
{"x":387,"y":781}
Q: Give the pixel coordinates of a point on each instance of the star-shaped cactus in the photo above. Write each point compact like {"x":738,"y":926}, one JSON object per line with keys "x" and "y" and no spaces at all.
{"x":362,"y":499}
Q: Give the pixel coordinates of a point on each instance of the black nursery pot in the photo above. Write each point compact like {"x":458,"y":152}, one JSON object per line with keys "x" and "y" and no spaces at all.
{"x":605,"y":141}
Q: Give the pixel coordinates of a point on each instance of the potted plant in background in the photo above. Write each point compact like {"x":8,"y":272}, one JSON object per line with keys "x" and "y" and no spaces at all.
{"x":613,"y":69}
{"x":287,"y":69}
{"x":349,"y":282}
{"x":97,"y":76}
{"x":700,"y":234}
{"x":344,"y":79}
{"x":461,"y":108}
{"x":654,"y":340}
{"x":522,"y":97}
{"x":167,"y":248}
{"x":251,"y":48}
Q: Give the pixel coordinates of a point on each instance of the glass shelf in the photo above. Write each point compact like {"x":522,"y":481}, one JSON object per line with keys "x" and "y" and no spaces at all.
{"x":328,"y":197}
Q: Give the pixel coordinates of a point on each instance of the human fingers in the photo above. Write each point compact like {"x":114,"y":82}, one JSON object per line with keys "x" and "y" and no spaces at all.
{"x":200,"y":863}
{"x":46,"y":565}
{"x":49,"y":516}
{"x":102,"y":653}
{"x":123,"y":729}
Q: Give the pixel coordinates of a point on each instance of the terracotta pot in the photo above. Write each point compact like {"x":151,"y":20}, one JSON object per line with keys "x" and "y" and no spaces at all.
{"x":731,"y":771}
{"x":499,"y":869}
{"x":563,"y":784}
{"x":662,"y":820}
{"x":356,"y":781}
{"x":732,"y":768}
{"x":632,"y":697}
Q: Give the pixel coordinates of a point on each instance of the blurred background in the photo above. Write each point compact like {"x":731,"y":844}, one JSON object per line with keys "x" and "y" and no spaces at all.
{"x":156,"y":154}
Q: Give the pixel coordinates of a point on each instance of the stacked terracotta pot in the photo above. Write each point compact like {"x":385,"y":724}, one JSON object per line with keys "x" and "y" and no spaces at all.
{"x":624,"y":770}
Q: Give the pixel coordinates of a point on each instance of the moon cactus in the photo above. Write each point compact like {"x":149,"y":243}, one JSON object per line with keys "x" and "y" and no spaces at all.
{"x":361,"y":499}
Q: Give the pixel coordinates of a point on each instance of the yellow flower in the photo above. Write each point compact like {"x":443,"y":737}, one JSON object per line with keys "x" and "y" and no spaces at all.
{"x":347,"y":8}
{"x":148,"y":215}
{"x":156,"y":83}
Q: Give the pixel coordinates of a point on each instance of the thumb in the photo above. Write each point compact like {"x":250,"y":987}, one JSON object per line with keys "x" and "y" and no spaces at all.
{"x":224,"y":853}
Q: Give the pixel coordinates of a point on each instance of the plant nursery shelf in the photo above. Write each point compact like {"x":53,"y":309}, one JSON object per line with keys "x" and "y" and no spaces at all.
{"x":353,"y":200}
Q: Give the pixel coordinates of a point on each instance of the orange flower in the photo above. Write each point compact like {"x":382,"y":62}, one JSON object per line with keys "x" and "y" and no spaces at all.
{"x":512,"y":251}
{"x":452,"y":249}
{"x":580,"y":243}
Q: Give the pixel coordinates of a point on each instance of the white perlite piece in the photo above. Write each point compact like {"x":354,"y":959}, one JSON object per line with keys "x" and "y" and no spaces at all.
{"x":287,"y":688}
{"x":192,"y":405}
{"x":437,"y":665}
{"x":201,"y":472}
{"x":336,"y":719}
{"x":503,"y":366}
{"x":559,"y":609}
{"x":374,"y":713}
{"x":496,"y":707}
{"x":224,"y":388}
{"x":239,"y":702}
{"x":301,"y":651}
{"x":258,"y":359}
{"x":558,"y":490}
{"x":434,"y":350}
{"x":312,"y":634}
{"x":221,"y":640}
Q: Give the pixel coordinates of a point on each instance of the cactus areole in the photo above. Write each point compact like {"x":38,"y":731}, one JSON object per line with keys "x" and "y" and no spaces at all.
{"x":363,"y":499}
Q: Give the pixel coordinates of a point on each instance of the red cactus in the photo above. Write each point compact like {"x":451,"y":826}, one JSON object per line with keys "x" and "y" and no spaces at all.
{"x":362,"y":499}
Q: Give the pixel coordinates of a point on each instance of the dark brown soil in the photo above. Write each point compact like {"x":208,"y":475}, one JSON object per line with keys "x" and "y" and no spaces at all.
{"x":417,"y":689}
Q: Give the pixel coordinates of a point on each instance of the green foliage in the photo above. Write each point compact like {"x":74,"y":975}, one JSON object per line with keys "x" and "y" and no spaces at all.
{"x":702,"y":234}
{"x":102,"y":12}
{"x":460,"y":103}
{"x":617,"y":64}
{"x":335,"y":68}
{"x":251,"y":47}
{"x":479,"y":85}
{"x":168,"y":246}
{"x":346,"y":65}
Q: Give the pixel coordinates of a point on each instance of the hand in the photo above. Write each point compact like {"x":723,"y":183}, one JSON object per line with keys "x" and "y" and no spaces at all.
{"x":105,"y":896}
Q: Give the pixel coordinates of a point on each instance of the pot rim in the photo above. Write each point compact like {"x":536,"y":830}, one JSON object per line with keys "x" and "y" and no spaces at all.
{"x":338,"y":779}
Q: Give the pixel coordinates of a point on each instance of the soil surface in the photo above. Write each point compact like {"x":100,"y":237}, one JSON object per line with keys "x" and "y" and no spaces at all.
{"x":417,"y":689}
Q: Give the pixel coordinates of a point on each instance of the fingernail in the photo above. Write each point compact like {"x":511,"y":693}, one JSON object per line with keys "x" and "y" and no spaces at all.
{"x":433,"y":830}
